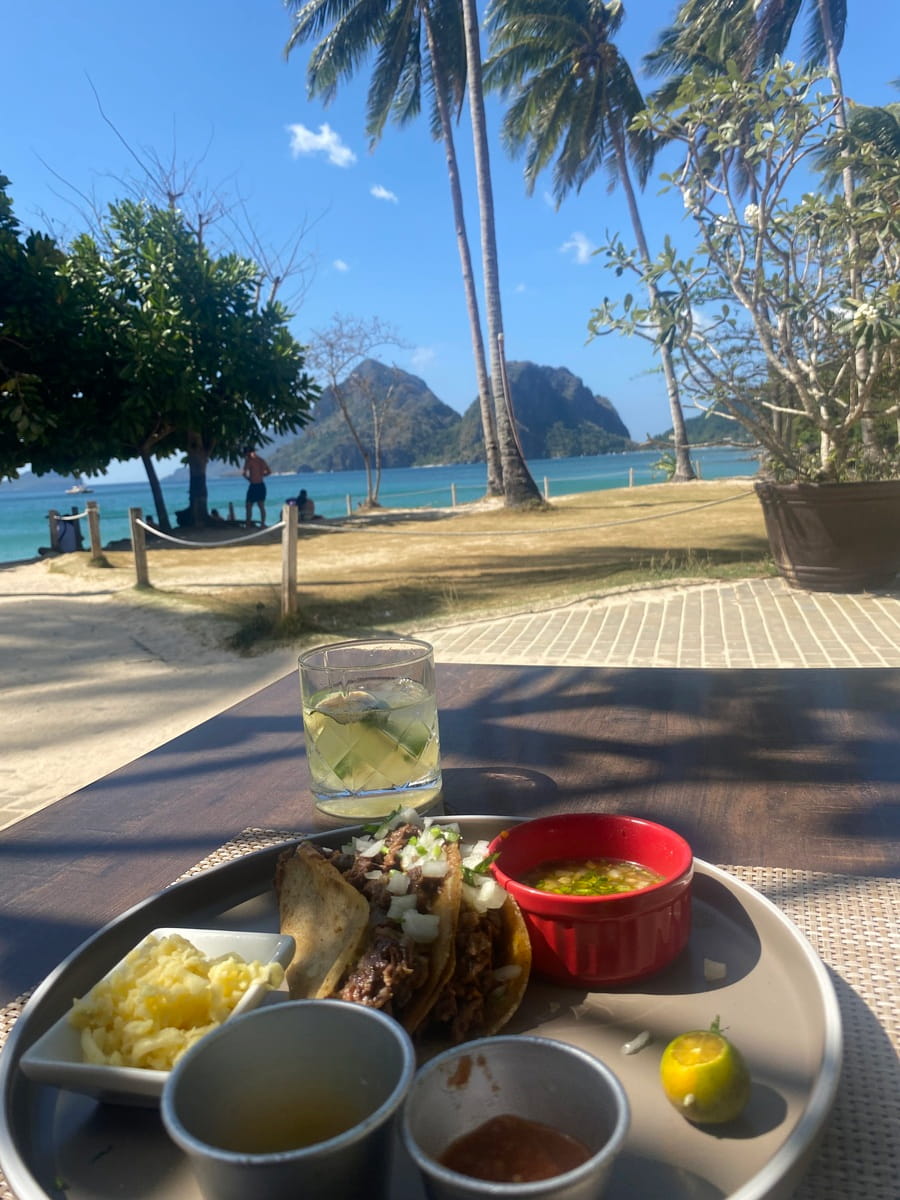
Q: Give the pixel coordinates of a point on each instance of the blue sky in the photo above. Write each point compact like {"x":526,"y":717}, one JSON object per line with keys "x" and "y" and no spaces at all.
{"x":206,"y":86}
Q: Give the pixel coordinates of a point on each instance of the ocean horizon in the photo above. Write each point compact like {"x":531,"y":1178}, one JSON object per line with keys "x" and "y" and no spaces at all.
{"x":24,"y":523}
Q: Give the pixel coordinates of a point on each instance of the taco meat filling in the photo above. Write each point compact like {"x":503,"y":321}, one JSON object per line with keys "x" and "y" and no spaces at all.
{"x":388,"y":972}
{"x":392,"y":967}
{"x":461,"y":1004}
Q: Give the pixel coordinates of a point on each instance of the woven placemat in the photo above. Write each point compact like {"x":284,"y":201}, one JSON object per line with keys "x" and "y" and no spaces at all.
{"x":852,"y":925}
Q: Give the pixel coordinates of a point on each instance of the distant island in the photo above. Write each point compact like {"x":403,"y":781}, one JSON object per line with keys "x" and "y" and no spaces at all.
{"x":557,"y":416}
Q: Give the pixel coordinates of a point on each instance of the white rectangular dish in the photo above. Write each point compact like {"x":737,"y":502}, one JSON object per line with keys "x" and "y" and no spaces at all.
{"x":56,"y":1057}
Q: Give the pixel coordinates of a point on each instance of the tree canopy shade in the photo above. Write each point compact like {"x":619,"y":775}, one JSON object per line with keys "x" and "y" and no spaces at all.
{"x":174,"y":355}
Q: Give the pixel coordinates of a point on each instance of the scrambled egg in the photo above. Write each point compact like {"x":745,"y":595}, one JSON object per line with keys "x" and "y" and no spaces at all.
{"x":162,"y":998}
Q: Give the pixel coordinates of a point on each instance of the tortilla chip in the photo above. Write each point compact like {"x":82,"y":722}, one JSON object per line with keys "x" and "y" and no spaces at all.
{"x":326,"y":917}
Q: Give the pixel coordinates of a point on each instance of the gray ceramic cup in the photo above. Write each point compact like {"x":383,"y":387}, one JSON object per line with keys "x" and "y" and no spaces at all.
{"x":242,"y":1098}
{"x":535,"y":1078}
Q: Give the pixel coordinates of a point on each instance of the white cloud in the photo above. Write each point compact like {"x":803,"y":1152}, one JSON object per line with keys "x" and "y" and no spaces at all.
{"x":520,"y":288}
{"x":422,"y":356}
{"x":580,"y":246}
{"x":326,"y":141}
{"x":340,"y":265}
{"x":382,"y":193}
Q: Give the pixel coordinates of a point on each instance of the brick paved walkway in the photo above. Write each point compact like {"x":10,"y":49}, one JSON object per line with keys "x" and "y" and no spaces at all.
{"x":750,"y":623}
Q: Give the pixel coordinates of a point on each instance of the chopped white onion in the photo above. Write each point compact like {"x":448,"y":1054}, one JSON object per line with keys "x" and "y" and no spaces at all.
{"x":487,"y":895}
{"x":376,"y":874}
{"x":398,"y":883}
{"x":511,"y":971}
{"x":714,"y":971}
{"x":367,"y":847}
{"x":637,"y":1043}
{"x":421,"y":927}
{"x":492,"y":894}
{"x":435,"y":868}
{"x":474,"y":853}
{"x":399,"y":906}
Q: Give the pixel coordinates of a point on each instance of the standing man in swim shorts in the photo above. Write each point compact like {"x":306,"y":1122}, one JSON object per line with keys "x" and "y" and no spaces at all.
{"x":255,"y":470}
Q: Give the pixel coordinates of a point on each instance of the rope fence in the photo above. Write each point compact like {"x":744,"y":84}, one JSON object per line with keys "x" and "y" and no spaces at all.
{"x":288,"y":527}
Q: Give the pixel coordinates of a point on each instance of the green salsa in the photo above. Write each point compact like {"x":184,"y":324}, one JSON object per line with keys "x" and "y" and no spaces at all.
{"x":590,"y":877}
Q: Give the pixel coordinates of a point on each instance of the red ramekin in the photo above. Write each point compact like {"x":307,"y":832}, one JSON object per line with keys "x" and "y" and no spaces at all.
{"x":600,"y":941}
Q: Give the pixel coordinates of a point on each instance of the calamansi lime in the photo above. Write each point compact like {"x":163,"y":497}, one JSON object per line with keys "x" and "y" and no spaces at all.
{"x":705,"y":1077}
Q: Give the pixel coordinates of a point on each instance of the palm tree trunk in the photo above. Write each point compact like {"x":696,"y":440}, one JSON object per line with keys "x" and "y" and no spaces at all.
{"x":518,"y":486}
{"x":491,"y":449}
{"x":684,"y":468}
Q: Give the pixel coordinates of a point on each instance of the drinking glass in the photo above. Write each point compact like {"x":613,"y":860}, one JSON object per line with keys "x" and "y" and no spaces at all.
{"x":371,"y":725}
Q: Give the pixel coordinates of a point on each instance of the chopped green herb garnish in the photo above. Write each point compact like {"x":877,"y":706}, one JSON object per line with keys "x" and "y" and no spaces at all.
{"x":474,"y":875}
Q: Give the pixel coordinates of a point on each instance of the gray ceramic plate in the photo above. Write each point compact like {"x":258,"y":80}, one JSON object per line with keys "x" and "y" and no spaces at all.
{"x":776,"y":1002}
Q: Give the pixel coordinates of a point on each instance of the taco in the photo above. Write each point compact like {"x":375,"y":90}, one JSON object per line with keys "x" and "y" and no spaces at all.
{"x":375,"y":921}
{"x":491,"y":959}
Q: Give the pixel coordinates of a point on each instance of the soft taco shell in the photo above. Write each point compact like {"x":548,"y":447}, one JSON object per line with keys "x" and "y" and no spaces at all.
{"x":325,"y":916}
{"x":501,"y":1005}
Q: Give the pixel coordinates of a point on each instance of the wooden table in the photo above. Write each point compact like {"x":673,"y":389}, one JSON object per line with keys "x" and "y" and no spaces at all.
{"x":797,"y":769}
{"x":791,"y":777}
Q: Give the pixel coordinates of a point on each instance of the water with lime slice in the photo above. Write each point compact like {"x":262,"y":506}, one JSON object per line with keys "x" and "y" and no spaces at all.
{"x":373,"y":747}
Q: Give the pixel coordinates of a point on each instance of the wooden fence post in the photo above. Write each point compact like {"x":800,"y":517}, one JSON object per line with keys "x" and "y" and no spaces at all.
{"x":631,"y":476}
{"x":93,"y":516}
{"x":53,"y":517}
{"x":349,"y":505}
{"x":139,"y":546}
{"x":453,"y":495}
{"x":546,"y":488}
{"x":289,"y":560}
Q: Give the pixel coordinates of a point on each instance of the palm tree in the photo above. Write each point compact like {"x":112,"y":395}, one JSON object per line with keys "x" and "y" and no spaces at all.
{"x":519,"y":487}
{"x":877,"y":128}
{"x":706,"y":35}
{"x":353,"y":27}
{"x":574,"y":96}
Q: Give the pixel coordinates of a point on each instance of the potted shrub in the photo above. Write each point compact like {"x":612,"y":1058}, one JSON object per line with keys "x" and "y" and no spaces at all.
{"x":786,"y":315}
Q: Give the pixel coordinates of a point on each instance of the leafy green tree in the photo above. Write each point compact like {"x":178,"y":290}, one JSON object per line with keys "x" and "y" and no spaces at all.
{"x":573,"y":95}
{"x":416,"y":43}
{"x":787,"y":317}
{"x":201,"y":366}
{"x":47,"y":357}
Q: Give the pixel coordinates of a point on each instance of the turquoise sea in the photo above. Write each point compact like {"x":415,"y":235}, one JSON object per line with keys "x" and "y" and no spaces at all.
{"x":24,"y":525}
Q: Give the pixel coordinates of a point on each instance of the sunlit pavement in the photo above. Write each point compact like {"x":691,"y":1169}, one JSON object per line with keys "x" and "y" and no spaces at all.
{"x":750,"y":623}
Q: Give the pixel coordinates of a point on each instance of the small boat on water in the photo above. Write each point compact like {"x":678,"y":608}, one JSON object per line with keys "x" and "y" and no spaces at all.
{"x":78,"y":489}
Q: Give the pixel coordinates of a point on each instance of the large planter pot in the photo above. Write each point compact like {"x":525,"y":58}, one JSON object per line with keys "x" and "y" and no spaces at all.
{"x":834,"y":537}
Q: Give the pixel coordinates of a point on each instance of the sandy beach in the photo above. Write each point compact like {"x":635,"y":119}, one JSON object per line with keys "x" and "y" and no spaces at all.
{"x":95,"y":677}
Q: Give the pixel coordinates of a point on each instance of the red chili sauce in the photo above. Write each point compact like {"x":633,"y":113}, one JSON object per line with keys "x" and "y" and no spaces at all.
{"x":510,"y":1149}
